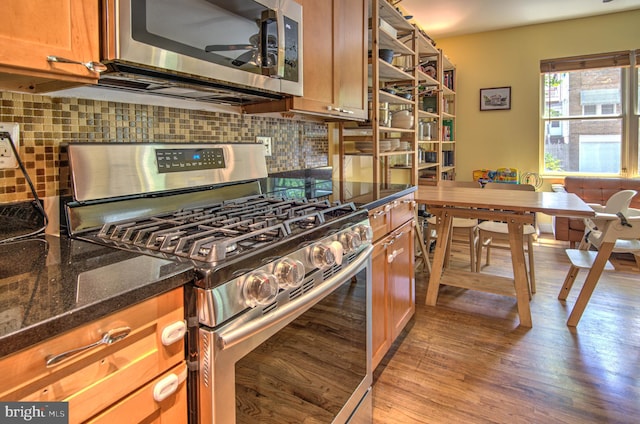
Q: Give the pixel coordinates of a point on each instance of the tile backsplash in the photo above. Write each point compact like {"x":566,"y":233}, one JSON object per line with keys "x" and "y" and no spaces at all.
{"x":46,"y":122}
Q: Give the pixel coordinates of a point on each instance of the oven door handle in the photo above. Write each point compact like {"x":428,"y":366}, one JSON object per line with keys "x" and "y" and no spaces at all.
{"x":282,"y":316}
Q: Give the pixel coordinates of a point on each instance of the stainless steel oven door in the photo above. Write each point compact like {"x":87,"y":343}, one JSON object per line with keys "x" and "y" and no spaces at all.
{"x":307,"y":361}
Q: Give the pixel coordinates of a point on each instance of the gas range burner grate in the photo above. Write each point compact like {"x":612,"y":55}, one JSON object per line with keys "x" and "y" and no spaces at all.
{"x":216,"y":232}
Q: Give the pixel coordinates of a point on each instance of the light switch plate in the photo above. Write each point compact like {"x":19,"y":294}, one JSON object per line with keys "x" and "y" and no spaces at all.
{"x":7,"y":158}
{"x":266,"y":142}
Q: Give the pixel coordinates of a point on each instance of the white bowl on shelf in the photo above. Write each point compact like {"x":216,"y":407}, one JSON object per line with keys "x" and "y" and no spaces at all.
{"x":402,"y":119}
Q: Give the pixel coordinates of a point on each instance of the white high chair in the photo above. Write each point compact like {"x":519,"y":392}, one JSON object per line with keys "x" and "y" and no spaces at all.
{"x":614,"y":231}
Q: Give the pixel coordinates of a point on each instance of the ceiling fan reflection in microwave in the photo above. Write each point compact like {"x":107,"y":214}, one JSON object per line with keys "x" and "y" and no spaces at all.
{"x":253,"y":55}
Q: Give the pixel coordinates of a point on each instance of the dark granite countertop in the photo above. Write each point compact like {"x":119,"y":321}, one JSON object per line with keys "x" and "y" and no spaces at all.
{"x":49,"y":285}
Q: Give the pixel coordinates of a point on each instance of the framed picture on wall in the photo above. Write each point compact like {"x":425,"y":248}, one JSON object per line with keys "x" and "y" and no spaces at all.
{"x":497,"y":98}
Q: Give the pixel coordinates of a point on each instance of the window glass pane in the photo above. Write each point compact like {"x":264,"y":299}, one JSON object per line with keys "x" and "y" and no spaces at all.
{"x":580,"y":93}
{"x":599,"y":153}
{"x":607,"y":109}
{"x":583,"y":145}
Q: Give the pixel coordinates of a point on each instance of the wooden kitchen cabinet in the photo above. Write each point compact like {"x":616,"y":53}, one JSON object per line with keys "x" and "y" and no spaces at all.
{"x":393,"y":286}
{"x":381,"y":330}
{"x":98,"y":378}
{"x":141,"y":407}
{"x":401,"y":279}
{"x":33,"y":30}
{"x":335,"y":62}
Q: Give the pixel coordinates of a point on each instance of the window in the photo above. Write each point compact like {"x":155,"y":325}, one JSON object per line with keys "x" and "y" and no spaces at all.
{"x":590,"y":115}
{"x":609,"y":109}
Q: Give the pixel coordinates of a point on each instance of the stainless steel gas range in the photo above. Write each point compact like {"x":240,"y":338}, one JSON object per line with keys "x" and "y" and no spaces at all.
{"x":279,"y":311}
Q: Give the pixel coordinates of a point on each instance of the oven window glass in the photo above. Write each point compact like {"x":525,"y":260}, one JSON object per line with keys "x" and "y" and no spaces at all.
{"x":308,"y":371}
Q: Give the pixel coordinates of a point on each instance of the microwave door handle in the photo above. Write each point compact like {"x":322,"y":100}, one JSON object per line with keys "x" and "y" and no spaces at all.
{"x":271,"y":69}
{"x":281,"y":44}
{"x":264,"y":45}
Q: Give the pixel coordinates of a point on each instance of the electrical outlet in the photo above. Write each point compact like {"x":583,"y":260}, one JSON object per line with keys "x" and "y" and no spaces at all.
{"x":7,"y":158}
{"x":266,"y":142}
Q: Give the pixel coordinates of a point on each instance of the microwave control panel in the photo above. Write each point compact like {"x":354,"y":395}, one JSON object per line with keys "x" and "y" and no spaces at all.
{"x":179,"y":160}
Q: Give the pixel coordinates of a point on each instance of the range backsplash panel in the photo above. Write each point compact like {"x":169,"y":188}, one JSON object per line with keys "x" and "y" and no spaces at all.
{"x":46,"y":122}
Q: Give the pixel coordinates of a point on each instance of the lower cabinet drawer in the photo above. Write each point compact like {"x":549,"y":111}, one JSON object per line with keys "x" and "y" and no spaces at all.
{"x":379,"y":219}
{"x":95,"y":378}
{"x":164,"y":400}
{"x":402,"y":210}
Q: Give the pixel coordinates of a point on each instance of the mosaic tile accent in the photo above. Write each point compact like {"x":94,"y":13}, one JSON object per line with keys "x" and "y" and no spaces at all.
{"x":46,"y":122}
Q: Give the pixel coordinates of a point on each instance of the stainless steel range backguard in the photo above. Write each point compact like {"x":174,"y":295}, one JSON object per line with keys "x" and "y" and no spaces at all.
{"x":107,"y":170}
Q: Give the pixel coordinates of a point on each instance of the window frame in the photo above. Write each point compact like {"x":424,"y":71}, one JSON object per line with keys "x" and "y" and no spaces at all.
{"x":627,"y":62}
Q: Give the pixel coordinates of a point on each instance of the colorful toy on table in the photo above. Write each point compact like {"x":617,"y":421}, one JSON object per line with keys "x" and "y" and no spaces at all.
{"x":484,"y":175}
{"x":507,"y":175}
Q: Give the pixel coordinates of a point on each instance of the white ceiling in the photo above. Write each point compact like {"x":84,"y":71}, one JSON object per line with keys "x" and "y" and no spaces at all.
{"x":446,"y":18}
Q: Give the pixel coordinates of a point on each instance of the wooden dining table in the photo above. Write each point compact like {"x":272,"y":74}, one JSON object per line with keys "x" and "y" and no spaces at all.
{"x":516,"y":208}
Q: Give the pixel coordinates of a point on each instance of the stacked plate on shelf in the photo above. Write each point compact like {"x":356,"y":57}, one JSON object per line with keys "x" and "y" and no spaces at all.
{"x":385,"y":145}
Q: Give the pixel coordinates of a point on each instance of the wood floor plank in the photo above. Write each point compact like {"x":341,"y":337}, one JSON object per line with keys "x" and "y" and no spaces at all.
{"x":467,"y":360}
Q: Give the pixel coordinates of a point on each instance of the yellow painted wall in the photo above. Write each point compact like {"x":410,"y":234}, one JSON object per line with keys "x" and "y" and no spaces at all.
{"x":494,"y":139}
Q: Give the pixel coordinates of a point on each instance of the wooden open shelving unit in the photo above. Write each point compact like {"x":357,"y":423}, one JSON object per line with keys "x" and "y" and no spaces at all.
{"x":426,"y":159}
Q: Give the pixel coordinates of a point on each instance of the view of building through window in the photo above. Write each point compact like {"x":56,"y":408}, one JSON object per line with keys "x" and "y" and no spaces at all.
{"x":583,"y":129}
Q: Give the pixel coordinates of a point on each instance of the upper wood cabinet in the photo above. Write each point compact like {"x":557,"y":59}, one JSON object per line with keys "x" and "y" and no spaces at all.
{"x":334,"y":62}
{"x":34,"y":30}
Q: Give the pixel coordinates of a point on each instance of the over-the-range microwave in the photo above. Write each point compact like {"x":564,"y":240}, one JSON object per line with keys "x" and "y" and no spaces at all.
{"x":221,"y":51}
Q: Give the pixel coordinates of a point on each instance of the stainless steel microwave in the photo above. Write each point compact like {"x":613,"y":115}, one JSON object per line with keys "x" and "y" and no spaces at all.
{"x":251,"y":47}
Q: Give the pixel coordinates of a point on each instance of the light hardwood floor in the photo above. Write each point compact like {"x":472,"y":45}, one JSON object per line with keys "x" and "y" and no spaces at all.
{"x":466,"y":360}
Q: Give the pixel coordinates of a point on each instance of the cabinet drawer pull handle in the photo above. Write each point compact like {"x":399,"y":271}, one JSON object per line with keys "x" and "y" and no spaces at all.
{"x":173,"y":332}
{"x":110,"y":337}
{"x":378,"y":214}
{"x":92,"y":66}
{"x":339,"y":109}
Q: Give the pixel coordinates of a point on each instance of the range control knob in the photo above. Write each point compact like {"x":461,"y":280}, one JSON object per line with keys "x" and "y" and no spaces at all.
{"x":260,"y":288}
{"x":366,"y":232}
{"x":322,"y":255}
{"x":289,"y":272}
{"x":350,"y":240}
